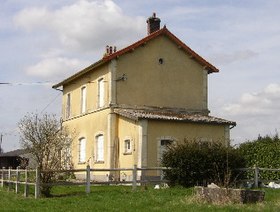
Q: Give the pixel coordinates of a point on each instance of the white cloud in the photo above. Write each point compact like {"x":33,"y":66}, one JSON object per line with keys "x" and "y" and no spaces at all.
{"x":236,"y":56}
{"x":255,"y":113}
{"x":56,"y":67}
{"x":84,"y":25}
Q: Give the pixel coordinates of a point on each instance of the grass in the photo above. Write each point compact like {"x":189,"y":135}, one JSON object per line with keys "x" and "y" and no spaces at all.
{"x":122,"y":198}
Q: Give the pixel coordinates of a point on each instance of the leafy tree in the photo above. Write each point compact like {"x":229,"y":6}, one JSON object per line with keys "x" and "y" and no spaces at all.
{"x":263,"y":152}
{"x":196,"y":163}
{"x":48,"y":143}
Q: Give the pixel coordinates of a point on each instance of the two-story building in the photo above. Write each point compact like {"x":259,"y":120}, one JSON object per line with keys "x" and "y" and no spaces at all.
{"x":129,"y":105}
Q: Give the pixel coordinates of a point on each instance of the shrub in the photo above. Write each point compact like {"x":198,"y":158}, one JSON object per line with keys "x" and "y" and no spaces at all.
{"x":196,"y":163}
{"x":263,"y":152}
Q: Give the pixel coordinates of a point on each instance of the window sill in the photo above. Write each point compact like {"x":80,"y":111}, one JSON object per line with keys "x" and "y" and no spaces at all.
{"x":81,"y":163}
{"x":99,"y":162}
{"x":127,"y":153}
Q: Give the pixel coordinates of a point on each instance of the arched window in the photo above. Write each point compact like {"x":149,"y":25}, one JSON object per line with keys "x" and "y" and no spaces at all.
{"x":82,"y":150}
{"x":99,"y":148}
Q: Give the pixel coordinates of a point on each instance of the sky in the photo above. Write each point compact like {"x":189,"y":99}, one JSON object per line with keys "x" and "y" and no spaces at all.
{"x":43,"y":42}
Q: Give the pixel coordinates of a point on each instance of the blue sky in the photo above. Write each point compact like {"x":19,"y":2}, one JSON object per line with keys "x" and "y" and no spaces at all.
{"x":46,"y":41}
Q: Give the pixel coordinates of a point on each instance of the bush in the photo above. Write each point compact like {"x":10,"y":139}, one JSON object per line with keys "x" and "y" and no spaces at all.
{"x":195,"y":163}
{"x":263,"y":152}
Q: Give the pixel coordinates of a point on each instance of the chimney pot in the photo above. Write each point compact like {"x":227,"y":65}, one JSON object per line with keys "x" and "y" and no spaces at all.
{"x":153,"y":24}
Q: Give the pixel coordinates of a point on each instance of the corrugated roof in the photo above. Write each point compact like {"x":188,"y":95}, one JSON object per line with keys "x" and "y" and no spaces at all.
{"x":13,"y":153}
{"x":164,"y":31}
{"x":169,"y":115}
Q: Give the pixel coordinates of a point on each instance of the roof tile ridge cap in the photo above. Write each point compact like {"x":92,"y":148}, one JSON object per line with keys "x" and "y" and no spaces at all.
{"x":135,"y":44}
{"x":191,"y":51}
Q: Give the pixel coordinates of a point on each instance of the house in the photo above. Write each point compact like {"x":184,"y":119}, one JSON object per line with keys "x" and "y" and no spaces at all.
{"x":14,"y":159}
{"x":128,"y":106}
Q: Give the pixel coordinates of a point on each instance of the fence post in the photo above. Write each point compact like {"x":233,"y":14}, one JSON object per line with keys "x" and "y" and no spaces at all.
{"x":26,"y":187}
{"x":9,"y":179}
{"x":37,"y":183}
{"x":88,"y":180}
{"x":2,"y":182}
{"x":256,"y":176}
{"x":17,"y":179}
{"x":134,"y":177}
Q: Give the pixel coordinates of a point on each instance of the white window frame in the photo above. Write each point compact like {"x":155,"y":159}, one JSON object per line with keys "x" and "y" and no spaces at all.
{"x":82,"y":150}
{"x":99,"y":150}
{"x":127,"y":148}
{"x":68,"y":106}
{"x":83,"y":99}
{"x":101,"y":93}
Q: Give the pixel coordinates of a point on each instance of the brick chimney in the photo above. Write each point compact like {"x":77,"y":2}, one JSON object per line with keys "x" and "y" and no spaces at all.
{"x":153,"y":24}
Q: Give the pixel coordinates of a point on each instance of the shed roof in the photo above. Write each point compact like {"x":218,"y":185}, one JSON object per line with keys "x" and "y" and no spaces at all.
{"x":13,"y":153}
{"x":164,"y":31}
{"x":169,"y":115}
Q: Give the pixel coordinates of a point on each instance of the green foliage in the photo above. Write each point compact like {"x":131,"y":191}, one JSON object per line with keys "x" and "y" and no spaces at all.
{"x":263,"y":152}
{"x":195,"y":163}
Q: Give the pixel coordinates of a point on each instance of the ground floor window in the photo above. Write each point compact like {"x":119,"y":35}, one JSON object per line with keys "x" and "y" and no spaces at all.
{"x":163,"y":144}
{"x":100,"y":148}
{"x":82,"y":150}
{"x":127,"y":146}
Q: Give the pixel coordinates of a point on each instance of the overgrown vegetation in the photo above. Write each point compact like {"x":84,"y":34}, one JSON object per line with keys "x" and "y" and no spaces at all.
{"x":263,"y":152}
{"x":196,"y":163}
{"x":48,"y":142}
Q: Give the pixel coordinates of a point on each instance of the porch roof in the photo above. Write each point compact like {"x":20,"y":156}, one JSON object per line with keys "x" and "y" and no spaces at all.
{"x":169,"y":115}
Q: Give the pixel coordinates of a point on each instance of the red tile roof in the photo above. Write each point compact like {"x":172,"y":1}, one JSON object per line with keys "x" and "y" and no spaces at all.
{"x":163,"y":114}
{"x":163,"y":31}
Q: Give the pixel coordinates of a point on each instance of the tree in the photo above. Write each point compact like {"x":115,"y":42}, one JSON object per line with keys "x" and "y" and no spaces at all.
{"x":48,"y":142}
{"x":263,"y":152}
{"x":196,"y":163}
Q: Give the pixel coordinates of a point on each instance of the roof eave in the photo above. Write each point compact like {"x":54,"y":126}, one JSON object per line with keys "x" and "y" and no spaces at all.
{"x":80,"y":73}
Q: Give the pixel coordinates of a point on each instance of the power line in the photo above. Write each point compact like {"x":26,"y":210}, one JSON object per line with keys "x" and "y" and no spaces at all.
{"x":50,"y":103}
{"x":26,"y":83}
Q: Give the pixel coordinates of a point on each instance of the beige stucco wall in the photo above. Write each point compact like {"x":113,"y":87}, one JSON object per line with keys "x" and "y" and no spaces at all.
{"x":127,"y":129}
{"x":179,"y":82}
{"x":90,"y":81}
{"x":88,"y":127}
{"x":179,"y":131}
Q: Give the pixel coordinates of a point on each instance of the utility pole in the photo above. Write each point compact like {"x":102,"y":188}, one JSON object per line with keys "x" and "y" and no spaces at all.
{"x":1,"y":139}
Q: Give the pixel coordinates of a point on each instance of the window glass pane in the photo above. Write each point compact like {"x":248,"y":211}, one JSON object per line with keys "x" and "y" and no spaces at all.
{"x":68,"y":105}
{"x":127,"y":146}
{"x":100,"y":148}
{"x":101,"y":93}
{"x":82,"y":150}
{"x":83,"y":99}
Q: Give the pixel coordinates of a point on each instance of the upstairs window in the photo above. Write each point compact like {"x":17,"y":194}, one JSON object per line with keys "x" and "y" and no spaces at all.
{"x":82,"y":150}
{"x":99,"y":148}
{"x":68,"y":106}
{"x":101,"y":93}
{"x":83,"y":99}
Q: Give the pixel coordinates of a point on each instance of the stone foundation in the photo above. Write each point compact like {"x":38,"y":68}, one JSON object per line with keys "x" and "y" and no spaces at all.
{"x":223,"y":195}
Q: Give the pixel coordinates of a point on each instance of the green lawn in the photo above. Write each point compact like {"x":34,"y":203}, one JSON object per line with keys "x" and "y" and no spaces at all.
{"x":122,"y":198}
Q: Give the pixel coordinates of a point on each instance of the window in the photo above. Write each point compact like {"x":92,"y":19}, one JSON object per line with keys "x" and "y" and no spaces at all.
{"x":99,"y":148}
{"x":127,"y":146}
{"x":164,"y":143}
{"x":83,"y":99}
{"x":82,"y":150}
{"x":68,"y":106}
{"x":101,"y":93}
